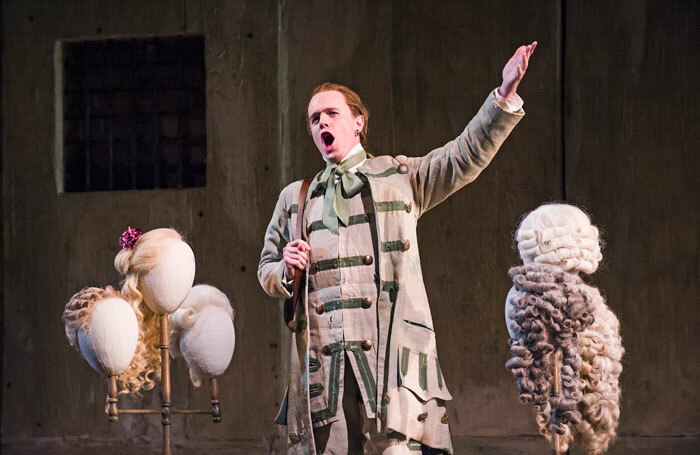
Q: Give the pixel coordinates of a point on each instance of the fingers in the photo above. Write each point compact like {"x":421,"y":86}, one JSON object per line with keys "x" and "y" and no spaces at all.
{"x":531,"y":49}
{"x":295,"y":254}
{"x":296,"y":260}
{"x":299,"y":244}
{"x":526,"y":51}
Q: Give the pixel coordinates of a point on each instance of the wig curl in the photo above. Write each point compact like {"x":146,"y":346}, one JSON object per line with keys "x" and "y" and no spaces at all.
{"x":553,"y":309}
{"x":600,"y":347}
{"x":562,"y":235}
{"x":78,"y":312}
{"x":133,"y":263}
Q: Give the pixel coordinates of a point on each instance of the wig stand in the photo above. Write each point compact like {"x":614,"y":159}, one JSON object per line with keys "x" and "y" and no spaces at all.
{"x":555,"y":392}
{"x":166,"y":409}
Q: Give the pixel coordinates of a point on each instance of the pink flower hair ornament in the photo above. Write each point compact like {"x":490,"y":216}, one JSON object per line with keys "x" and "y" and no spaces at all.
{"x":129,"y":238}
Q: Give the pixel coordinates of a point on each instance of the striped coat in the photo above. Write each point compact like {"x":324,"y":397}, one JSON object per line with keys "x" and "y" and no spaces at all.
{"x":410,"y":390}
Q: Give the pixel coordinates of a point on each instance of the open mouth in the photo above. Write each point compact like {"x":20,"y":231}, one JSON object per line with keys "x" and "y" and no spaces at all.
{"x":327,"y":139}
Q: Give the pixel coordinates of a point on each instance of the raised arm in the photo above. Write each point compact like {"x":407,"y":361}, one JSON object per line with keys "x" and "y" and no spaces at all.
{"x":446,"y":169}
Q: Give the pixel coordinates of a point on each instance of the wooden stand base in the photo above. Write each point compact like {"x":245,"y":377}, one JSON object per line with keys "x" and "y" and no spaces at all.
{"x":166,"y":409}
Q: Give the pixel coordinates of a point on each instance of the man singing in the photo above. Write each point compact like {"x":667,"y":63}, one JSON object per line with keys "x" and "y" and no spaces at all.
{"x":364,"y":370}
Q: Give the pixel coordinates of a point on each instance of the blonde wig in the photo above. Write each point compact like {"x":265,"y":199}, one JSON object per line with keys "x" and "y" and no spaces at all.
{"x":133,"y":263}
{"x":562,"y":235}
{"x":202,"y":327}
{"x":78,"y":312}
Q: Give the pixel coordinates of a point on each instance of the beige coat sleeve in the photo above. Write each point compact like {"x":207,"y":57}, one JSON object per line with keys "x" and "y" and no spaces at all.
{"x":271,"y":266}
{"x":448,"y":168}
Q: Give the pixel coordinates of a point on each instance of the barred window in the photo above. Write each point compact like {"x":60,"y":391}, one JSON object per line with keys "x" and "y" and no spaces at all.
{"x":133,"y":114}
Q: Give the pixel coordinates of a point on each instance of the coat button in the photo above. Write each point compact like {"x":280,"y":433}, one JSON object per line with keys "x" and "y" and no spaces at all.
{"x":326,"y":350}
{"x":367,"y":260}
{"x":366,"y":303}
{"x":314,"y":268}
{"x":366,"y":345}
{"x":320,"y":308}
{"x":294,"y":438}
{"x":406,"y":245}
{"x":444,"y":419}
{"x":387,"y":398}
{"x":422,"y":417}
{"x":292,"y":325}
{"x":403,"y":169}
{"x":409,"y":206}
{"x":309,"y":228}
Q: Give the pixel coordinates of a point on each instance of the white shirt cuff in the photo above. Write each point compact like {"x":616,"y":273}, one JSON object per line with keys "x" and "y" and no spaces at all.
{"x":508,"y":105}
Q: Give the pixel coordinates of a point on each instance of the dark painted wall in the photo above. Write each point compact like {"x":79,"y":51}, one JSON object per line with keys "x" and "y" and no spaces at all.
{"x":611,"y":105}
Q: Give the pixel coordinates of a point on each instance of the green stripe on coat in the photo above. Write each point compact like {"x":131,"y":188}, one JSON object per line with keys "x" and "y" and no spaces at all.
{"x":414,"y":446}
{"x":405,"y":353}
{"x":333,"y":390}
{"x":389,"y":286}
{"x":314,"y":364}
{"x":390,"y":206}
{"x":315,"y":390}
{"x":389,"y":172}
{"x":367,"y":378}
{"x":392,"y":245}
{"x":345,"y":304}
{"x":423,"y":370}
{"x":330,"y":264}
{"x":353,"y":220}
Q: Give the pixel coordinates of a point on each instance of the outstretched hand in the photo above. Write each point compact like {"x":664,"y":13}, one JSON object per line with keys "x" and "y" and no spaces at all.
{"x":514,"y":70}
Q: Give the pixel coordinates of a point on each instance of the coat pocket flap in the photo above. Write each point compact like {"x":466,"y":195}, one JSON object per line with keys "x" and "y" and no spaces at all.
{"x":420,"y":373}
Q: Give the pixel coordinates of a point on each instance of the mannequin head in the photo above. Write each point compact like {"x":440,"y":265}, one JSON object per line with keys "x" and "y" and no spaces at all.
{"x":561,"y":235}
{"x":201,"y":330}
{"x":103,"y":328}
{"x":158,"y":272}
{"x":162,"y":265}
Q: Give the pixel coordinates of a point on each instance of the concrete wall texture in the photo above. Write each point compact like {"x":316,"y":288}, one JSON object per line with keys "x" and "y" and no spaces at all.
{"x":611,"y":100}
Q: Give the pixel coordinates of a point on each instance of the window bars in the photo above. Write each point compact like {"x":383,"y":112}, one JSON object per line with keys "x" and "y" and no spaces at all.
{"x":134,"y":114}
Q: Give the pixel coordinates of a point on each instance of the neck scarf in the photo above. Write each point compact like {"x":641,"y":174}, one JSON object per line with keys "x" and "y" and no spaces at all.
{"x":336,"y":202}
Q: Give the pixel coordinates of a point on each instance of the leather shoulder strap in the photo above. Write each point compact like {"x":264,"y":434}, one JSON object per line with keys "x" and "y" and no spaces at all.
{"x":291,"y":304}
{"x":300,"y":206}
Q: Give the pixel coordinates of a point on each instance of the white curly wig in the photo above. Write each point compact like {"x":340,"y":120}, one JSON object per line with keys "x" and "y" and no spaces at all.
{"x":561,"y":235}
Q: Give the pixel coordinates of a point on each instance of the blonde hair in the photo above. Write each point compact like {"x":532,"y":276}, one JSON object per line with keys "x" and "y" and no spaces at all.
{"x":133,"y":263}
{"x":78,"y":312}
{"x":561,"y":235}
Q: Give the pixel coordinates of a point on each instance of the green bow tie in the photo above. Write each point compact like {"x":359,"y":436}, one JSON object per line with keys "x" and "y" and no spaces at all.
{"x":336,"y":202}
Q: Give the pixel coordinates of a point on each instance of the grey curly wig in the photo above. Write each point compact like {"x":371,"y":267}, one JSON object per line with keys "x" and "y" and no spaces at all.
{"x":550,"y":308}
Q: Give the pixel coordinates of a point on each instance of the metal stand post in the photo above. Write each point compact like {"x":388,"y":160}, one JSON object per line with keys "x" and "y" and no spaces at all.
{"x":165,"y":381}
{"x":555,"y":391}
{"x":166,"y":409}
